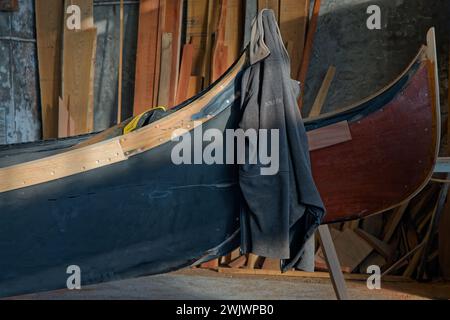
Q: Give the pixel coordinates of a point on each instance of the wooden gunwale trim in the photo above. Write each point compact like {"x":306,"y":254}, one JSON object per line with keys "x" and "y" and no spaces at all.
{"x":429,"y":55}
{"x":61,"y":165}
{"x":107,"y":152}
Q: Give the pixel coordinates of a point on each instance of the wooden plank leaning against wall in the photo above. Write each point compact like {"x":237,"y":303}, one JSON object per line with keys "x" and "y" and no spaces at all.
{"x":158,"y":54}
{"x":79,"y":49}
{"x":49,"y":34}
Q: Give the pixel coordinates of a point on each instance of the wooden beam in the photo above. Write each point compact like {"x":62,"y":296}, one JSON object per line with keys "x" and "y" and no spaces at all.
{"x":159,"y":38}
{"x":166,"y":70}
{"x":61,"y":165}
{"x":78,"y":69}
{"x":312,"y":27}
{"x":293,"y":23}
{"x":220,"y":50}
{"x":49,"y":36}
{"x":185,"y":73}
{"x":146,"y":56}
{"x":197,"y":32}
{"x":120,"y":75}
{"x":173,"y":25}
{"x":234,"y":31}
{"x":332,"y":261}
{"x":323,"y":92}
{"x":303,"y":274}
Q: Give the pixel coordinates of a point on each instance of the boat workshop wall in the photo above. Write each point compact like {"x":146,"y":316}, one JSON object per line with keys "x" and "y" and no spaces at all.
{"x":365,"y":60}
{"x":20,"y":119}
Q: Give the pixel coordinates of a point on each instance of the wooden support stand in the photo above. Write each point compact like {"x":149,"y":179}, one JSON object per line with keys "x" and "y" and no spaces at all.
{"x":332,"y":260}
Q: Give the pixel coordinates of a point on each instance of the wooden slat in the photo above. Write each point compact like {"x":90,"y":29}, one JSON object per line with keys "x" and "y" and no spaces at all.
{"x":146,"y":56}
{"x":380,"y":246}
{"x":173,"y":24}
{"x":293,"y":22}
{"x":196,"y":31}
{"x":49,"y":37}
{"x":351,"y":249}
{"x":302,"y":274}
{"x":234,"y":31}
{"x":270,"y":4}
{"x":161,"y":18}
{"x":312,"y":26}
{"x":195,"y":86}
{"x":397,"y":216}
{"x":120,"y":75}
{"x":212,"y":23}
{"x":166,"y":70}
{"x":220,"y":51}
{"x":323,"y":92}
{"x":78,"y":77}
{"x":185,"y":73}
{"x":332,"y":260}
{"x":62,"y":165}
{"x":329,"y":136}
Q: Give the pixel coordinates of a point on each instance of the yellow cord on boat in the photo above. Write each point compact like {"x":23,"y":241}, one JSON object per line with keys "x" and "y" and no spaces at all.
{"x":135,"y":122}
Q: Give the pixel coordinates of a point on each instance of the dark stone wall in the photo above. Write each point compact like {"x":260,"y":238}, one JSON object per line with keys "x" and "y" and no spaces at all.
{"x":367,"y":60}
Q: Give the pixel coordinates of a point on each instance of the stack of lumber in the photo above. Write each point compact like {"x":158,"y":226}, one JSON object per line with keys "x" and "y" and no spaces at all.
{"x":66,"y":66}
{"x":402,"y":242}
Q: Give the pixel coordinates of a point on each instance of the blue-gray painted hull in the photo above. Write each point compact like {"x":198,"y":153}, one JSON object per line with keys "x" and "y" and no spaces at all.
{"x":138,"y":217}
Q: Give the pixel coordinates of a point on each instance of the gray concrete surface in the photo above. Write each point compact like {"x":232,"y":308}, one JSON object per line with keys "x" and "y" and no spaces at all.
{"x":198,"y":284}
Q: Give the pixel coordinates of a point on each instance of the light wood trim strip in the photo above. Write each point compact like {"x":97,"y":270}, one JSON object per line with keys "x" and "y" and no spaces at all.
{"x":329,"y":136}
{"x":61,"y":165}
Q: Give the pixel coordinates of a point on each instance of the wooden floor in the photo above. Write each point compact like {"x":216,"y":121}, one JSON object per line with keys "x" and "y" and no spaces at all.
{"x":205,"y":284}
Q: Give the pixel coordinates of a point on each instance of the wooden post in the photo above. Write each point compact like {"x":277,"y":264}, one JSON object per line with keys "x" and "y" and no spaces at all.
{"x":331,"y":258}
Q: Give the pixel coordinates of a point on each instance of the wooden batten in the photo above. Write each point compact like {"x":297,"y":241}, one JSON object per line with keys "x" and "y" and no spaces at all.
{"x":234,"y":32}
{"x":78,"y":70}
{"x":185,"y":73}
{"x":220,"y":51}
{"x":166,"y":70}
{"x":293,"y":23}
{"x":317,"y":107}
{"x":307,"y":52}
{"x":62,"y":165}
{"x":146,"y":56}
{"x":196,"y":31}
{"x":49,"y":37}
{"x":173,"y":25}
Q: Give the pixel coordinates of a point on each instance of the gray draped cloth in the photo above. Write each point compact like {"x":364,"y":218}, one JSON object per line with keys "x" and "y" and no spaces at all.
{"x":280,"y":211}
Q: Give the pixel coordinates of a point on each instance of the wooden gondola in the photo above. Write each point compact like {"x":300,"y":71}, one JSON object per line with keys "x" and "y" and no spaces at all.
{"x":116,"y":206}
